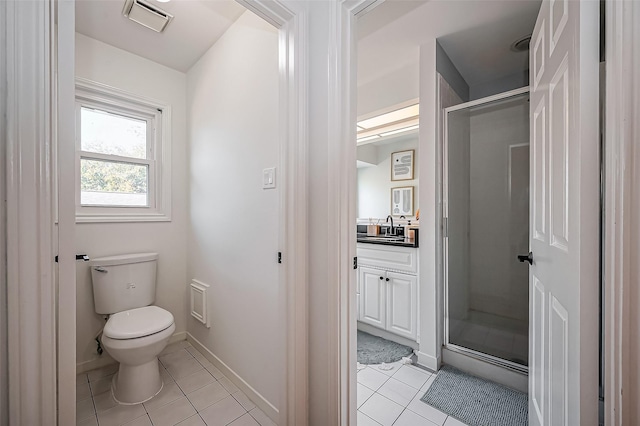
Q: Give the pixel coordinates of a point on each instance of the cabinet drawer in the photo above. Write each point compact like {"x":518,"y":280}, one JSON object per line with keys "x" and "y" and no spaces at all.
{"x":403,"y":259}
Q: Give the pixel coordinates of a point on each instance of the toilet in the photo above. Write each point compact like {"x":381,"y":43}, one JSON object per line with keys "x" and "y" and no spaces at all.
{"x":124,"y":287}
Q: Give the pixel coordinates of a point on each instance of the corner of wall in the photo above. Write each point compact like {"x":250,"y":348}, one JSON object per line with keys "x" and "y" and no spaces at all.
{"x":450,"y":73}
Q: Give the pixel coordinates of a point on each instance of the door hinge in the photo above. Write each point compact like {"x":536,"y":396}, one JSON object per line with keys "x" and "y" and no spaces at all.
{"x":445,"y":227}
{"x":355,"y":262}
{"x":279,"y":257}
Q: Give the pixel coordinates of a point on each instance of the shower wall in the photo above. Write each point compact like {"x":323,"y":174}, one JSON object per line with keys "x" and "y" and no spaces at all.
{"x":499,"y":209}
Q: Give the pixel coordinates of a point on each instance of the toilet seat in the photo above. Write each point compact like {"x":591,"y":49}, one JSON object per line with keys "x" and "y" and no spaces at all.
{"x":138,"y":322}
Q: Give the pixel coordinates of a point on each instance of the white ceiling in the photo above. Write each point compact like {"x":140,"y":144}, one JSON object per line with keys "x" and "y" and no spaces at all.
{"x":196,"y":26}
{"x":476,"y":34}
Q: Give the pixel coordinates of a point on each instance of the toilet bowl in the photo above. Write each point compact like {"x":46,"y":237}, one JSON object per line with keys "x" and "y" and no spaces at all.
{"x":134,"y":338}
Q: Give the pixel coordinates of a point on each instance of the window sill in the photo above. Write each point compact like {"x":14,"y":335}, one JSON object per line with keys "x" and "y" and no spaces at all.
{"x":122,"y":218}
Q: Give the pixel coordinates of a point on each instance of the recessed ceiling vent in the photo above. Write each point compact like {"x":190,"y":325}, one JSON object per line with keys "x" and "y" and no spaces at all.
{"x":147,"y":15}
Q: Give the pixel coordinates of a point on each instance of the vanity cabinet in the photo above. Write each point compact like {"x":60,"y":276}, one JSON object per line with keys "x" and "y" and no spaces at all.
{"x":388,"y":289}
{"x":373,"y":290}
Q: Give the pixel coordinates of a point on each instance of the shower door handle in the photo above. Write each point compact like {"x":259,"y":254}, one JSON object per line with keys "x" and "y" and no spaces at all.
{"x":526,"y":258}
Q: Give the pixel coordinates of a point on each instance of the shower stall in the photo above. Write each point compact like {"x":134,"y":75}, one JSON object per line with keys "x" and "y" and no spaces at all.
{"x":486,"y":227}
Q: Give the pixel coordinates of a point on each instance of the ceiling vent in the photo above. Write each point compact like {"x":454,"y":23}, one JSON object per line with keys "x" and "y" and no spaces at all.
{"x":147,"y":15}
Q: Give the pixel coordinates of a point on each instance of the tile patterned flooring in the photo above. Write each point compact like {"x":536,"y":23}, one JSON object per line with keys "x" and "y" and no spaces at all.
{"x":195,"y":393}
{"x":392,"y":397}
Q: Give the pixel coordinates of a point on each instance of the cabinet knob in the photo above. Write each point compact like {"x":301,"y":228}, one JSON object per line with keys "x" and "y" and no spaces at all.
{"x":381,"y":277}
{"x":387,"y":279}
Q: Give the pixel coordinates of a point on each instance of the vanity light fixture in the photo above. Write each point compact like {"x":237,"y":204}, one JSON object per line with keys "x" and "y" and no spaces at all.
{"x":395,"y":132}
{"x":390,"y":123}
{"x":369,"y":138}
{"x":391,"y":117}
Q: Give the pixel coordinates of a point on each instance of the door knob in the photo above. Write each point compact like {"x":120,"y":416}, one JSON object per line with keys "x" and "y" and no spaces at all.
{"x":526,"y":258}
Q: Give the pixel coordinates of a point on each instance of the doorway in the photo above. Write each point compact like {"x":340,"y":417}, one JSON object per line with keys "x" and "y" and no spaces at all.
{"x":486,"y":213}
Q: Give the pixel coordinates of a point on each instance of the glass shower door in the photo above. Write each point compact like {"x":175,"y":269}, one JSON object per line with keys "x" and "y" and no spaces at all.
{"x":487,"y":211}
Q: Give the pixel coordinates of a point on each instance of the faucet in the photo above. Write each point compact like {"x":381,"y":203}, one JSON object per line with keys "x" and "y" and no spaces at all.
{"x":390,"y":218}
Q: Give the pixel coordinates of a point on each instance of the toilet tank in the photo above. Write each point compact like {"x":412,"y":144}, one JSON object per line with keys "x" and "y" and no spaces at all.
{"x":123,"y":282}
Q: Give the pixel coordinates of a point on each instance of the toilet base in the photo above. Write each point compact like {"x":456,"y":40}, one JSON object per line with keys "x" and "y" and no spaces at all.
{"x":135,"y":384}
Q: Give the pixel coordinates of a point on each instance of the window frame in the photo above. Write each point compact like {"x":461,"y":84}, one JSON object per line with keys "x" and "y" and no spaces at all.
{"x":98,"y":96}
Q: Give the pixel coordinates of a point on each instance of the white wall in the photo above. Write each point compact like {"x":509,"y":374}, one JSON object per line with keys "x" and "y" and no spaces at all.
{"x":374,"y":183}
{"x":392,"y":89}
{"x":232,"y":96}
{"x":499,"y":85}
{"x":431,"y":212}
{"x":106,"y":64}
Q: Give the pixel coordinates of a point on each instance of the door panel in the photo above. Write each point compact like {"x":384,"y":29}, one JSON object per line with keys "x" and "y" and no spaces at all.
{"x":538,"y":169}
{"x":559,"y":363}
{"x":558,"y":159}
{"x":563,"y":347}
{"x":372,"y":294}
{"x":537,"y":377}
{"x":401,"y":305}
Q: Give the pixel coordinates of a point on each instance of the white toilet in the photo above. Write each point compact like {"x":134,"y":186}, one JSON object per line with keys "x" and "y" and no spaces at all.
{"x":124,"y":287}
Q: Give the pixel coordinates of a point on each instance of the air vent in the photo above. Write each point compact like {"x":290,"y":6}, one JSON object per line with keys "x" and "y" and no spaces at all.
{"x":147,"y":15}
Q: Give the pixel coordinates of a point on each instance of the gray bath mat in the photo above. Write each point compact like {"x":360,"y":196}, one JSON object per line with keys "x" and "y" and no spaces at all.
{"x":475,"y":401}
{"x":376,"y":350}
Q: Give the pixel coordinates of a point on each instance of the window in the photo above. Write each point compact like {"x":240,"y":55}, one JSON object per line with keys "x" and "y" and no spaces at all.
{"x":122,"y":174}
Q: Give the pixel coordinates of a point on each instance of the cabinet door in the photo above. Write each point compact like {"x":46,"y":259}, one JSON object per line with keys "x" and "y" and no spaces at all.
{"x":372,"y":297}
{"x":401,"y":304}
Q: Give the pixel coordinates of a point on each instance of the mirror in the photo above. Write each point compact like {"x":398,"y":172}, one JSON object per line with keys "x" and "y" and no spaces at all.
{"x":375,"y":173}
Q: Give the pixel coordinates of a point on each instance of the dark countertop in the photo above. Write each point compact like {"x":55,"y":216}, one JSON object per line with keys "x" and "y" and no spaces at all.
{"x":399,"y":241}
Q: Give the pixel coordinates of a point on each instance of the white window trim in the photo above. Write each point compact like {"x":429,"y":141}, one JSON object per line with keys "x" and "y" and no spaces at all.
{"x":159,"y":209}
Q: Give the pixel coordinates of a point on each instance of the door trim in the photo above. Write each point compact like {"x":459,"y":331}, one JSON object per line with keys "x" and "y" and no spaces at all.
{"x":499,"y":96}
{"x":64,"y":178}
{"x":342,"y":114}
{"x":622,"y":203}
{"x":31,"y":210}
{"x":31,"y":295}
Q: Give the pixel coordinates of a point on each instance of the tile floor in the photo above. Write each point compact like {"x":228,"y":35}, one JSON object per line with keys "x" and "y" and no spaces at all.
{"x":392,"y":397}
{"x":195,"y":393}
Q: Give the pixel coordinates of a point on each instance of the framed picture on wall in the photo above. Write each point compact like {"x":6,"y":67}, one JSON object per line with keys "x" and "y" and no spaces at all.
{"x":402,"y":201}
{"x":402,"y":165}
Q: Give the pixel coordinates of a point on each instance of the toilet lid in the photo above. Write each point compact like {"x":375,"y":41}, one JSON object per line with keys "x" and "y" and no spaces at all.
{"x":138,"y":322}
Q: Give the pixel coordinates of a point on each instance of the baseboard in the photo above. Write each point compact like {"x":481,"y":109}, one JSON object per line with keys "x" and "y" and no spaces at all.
{"x":260,"y":401}
{"x":177,"y":337}
{"x":429,"y":361}
{"x":104,"y":359}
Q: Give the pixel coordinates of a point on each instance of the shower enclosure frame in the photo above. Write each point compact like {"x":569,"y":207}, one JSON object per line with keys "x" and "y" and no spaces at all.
{"x":500,"y":362}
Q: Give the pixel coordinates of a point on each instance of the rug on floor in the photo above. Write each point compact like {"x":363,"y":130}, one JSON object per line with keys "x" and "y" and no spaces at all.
{"x":476,"y":401}
{"x":376,"y":350}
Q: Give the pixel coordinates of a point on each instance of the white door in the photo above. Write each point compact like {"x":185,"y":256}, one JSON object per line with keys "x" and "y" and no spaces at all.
{"x":373,"y":296}
{"x":401,"y":304}
{"x":563,"y":307}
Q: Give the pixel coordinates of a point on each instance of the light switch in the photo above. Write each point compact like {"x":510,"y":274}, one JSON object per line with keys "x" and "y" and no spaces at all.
{"x":269,"y":178}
